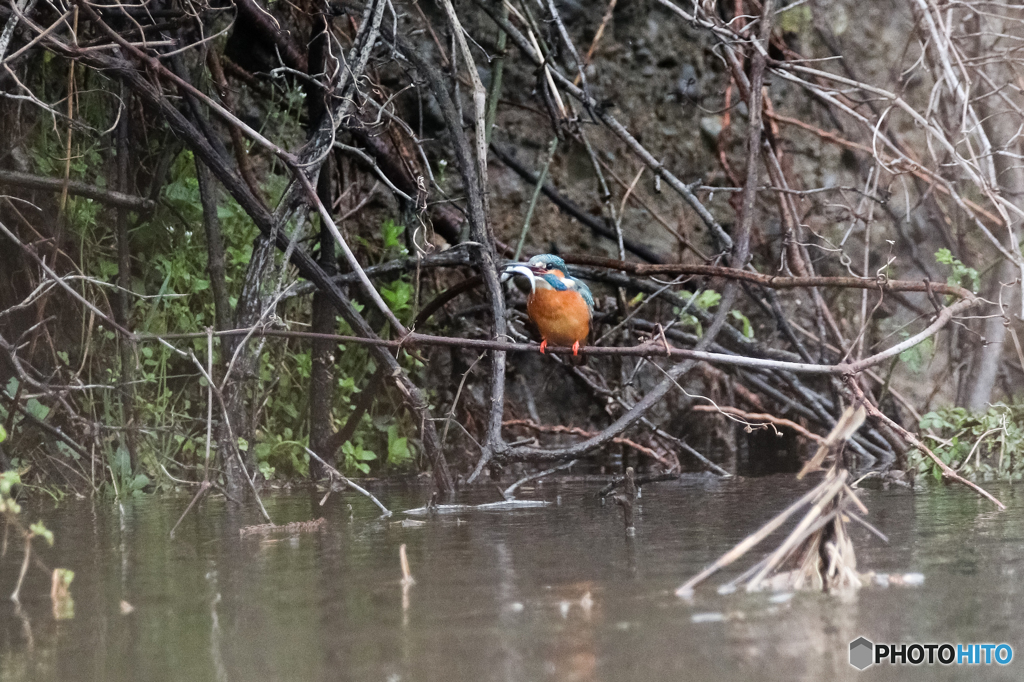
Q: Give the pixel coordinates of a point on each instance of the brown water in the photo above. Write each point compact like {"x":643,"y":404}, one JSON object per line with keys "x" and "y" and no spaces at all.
{"x":498,"y":594}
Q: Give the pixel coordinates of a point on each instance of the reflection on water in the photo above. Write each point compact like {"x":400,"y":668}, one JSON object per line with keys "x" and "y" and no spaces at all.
{"x":551,"y":593}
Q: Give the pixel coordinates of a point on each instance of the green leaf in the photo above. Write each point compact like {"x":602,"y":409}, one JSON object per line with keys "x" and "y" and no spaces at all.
{"x":391,"y":232}
{"x":748,"y":329}
{"x":120,"y":463}
{"x":708,"y":299}
{"x":933,"y":420}
{"x":398,"y":447}
{"x":37,"y":409}
{"x":64,"y":576}
{"x":3,"y":434}
{"x":365,"y":455}
{"x":688,"y":320}
{"x":397,"y":295}
{"x":960,"y":272}
{"x":8,"y":479}
{"x":42,"y":531}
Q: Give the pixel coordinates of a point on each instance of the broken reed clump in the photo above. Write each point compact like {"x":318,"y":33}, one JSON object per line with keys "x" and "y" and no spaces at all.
{"x":817,"y":553}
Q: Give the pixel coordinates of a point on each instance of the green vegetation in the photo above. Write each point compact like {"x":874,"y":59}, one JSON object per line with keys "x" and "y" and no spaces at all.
{"x":982,"y":445}
{"x":960,"y":275}
{"x":172,"y":293}
{"x":706,"y":300}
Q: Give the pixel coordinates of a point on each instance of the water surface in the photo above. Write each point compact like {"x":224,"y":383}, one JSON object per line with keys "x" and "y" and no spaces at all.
{"x":553,"y":593}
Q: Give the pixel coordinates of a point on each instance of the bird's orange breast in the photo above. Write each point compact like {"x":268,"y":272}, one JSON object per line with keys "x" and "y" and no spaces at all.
{"x":562,"y":317}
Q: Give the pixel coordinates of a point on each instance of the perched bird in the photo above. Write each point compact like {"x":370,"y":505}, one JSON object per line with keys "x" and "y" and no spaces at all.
{"x":559,"y":304}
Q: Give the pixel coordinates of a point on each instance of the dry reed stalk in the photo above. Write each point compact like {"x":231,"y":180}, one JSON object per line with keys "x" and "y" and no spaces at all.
{"x":818,"y":552}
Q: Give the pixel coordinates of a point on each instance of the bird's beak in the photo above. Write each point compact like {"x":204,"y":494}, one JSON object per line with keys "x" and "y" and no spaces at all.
{"x":514,"y":269}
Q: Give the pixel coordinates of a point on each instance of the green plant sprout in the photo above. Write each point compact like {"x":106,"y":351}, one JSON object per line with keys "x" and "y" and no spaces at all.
{"x":960,"y":273}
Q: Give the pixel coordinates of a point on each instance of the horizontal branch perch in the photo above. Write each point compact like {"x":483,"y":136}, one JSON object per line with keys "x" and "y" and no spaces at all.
{"x":649,"y":349}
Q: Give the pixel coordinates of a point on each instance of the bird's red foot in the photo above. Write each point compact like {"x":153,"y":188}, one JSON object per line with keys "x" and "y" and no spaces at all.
{"x":576,"y":348}
{"x":543,"y":345}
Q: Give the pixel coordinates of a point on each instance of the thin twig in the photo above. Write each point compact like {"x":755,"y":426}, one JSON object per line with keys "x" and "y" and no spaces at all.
{"x":349,"y":483}
{"x":509,"y":492}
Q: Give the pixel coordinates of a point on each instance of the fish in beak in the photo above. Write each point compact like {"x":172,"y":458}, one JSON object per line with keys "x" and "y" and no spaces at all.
{"x":513,"y":269}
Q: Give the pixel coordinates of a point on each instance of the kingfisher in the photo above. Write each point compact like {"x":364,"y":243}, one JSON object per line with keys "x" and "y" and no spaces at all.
{"x":559,"y":304}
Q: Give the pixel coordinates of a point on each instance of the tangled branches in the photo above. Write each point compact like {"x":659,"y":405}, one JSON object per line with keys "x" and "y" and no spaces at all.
{"x":786,"y":271}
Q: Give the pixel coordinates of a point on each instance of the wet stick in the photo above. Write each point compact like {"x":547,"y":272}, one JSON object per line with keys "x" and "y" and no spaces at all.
{"x":509,"y":492}
{"x":403,"y":559}
{"x":626,"y":500}
{"x":359,"y":489}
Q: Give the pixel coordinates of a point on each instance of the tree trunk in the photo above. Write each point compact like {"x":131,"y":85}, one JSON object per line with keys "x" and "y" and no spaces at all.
{"x":242,"y":357}
{"x":322,"y":380}
{"x":214,"y":247}
{"x":1001,"y":126}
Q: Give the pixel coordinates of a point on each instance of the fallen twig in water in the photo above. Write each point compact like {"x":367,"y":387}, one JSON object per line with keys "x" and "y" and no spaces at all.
{"x":204,"y":488}
{"x":626,"y":500}
{"x":334,"y":472}
{"x":509,"y":492}
{"x":947,"y":472}
{"x":489,"y":506}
